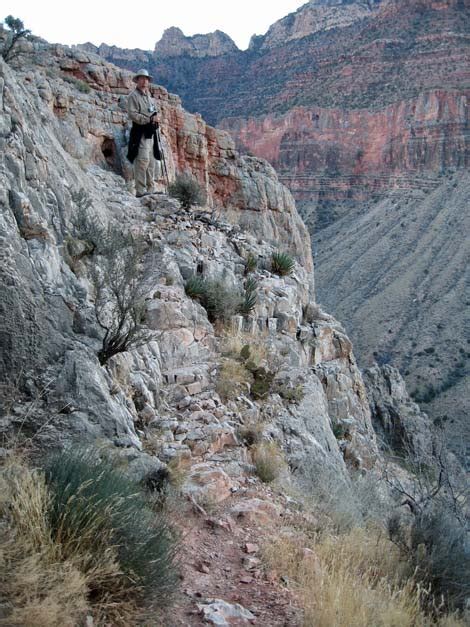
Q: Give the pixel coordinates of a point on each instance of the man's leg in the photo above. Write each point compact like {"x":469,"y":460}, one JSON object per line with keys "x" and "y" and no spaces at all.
{"x":141,"y":165}
{"x":151,"y":186}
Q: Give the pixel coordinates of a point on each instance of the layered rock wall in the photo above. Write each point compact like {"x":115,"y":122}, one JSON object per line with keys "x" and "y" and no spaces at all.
{"x":332,"y":156}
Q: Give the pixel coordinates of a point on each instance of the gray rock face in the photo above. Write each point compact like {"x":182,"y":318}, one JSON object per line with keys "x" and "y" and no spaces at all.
{"x":397,"y":419}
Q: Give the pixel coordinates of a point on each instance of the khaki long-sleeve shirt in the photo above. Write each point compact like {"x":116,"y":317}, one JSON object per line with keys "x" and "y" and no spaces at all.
{"x":140,"y":107}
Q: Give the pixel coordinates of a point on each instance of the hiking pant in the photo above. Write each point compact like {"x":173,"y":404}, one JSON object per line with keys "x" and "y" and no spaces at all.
{"x":146,"y":168}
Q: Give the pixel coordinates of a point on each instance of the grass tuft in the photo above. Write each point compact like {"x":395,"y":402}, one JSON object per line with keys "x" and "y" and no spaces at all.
{"x":79,"y":538}
{"x":268,"y":460}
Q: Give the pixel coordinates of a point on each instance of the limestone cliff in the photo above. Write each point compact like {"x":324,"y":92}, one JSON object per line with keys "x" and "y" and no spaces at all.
{"x":363,"y":110}
{"x":315,"y":16}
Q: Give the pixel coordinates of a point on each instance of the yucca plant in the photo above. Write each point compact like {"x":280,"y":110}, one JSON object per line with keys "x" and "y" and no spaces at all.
{"x":251,"y":263}
{"x":282,"y":264}
{"x":250,"y":297}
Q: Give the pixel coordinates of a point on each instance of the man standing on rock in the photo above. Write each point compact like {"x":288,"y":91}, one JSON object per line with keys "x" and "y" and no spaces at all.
{"x":144,"y":150}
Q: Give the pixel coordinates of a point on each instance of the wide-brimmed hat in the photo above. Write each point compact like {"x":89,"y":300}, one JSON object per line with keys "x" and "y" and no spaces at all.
{"x":142,"y":73}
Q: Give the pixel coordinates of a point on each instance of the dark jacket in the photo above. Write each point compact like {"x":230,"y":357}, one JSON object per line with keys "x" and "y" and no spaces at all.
{"x":149,"y":131}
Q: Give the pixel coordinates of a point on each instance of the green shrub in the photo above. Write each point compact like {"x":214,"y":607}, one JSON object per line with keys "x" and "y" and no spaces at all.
{"x":195,"y":287}
{"x":245,"y":352}
{"x":339,"y":431}
{"x":282,"y":264}
{"x":219,"y":300}
{"x":15,"y":34}
{"x":263,"y":380}
{"x":187,"y":190}
{"x":78,"y":83}
{"x":96,"y":512}
{"x":290,"y":393}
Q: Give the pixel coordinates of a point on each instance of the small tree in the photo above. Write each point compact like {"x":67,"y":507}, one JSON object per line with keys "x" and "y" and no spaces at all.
{"x":119,"y":300}
{"x":435,"y":539}
{"x":16,"y":33}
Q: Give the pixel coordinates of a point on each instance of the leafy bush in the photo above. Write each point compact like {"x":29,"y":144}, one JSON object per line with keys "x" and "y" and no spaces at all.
{"x":219,"y":300}
{"x":187,"y":190}
{"x":282,"y":264}
{"x":100,"y":517}
{"x":268,"y":460}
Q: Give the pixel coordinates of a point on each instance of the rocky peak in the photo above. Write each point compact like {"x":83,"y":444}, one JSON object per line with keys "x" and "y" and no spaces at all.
{"x":174,"y":44}
{"x":314,"y":17}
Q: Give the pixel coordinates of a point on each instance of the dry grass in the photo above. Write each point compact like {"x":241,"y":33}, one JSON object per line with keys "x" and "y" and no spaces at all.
{"x":233,"y":345}
{"x":354,"y":580}
{"x":234,"y":379}
{"x":42,"y":589}
{"x":56,"y":573}
{"x":268,"y":460}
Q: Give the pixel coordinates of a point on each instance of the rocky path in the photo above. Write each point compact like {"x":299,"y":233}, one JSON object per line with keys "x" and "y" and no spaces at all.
{"x":224,"y":581}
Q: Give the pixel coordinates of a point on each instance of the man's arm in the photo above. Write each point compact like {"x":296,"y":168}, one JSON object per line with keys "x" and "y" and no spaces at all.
{"x":133,"y":111}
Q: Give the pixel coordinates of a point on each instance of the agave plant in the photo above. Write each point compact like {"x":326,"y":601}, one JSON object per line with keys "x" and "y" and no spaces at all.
{"x":250,"y":297}
{"x":282,"y":264}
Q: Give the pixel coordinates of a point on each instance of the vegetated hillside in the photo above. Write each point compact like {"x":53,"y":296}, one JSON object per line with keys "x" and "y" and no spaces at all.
{"x":398,"y":275}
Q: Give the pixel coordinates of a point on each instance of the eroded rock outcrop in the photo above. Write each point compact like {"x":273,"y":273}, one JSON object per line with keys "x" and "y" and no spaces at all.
{"x":399,"y":421}
{"x":174,"y":43}
{"x":313,"y":17}
{"x":79,"y":146}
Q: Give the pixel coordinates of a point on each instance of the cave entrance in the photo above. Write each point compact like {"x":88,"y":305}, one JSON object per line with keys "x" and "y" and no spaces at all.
{"x":110,"y":154}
